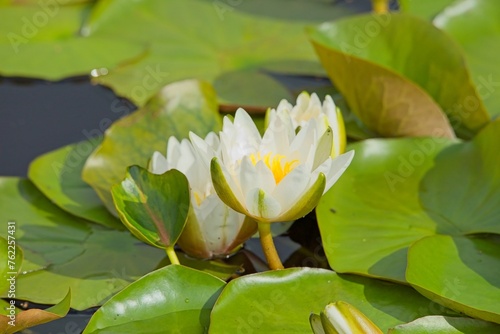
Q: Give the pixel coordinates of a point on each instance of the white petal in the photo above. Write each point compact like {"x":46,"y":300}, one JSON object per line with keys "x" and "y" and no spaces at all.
{"x":158,"y":163}
{"x":261,"y":205}
{"x":255,"y":176}
{"x":220,"y":225}
{"x":334,"y":168}
{"x":278,"y":135}
{"x":239,"y":138}
{"x":292,"y":186}
{"x":173,"y":150}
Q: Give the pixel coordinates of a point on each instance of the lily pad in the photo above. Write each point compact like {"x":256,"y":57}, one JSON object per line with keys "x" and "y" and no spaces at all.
{"x":179,"y":108}
{"x":34,"y":317}
{"x":400,"y":91}
{"x":372,"y":214}
{"x":69,"y":252}
{"x":260,"y":303}
{"x":424,"y":9}
{"x":153,"y":207}
{"x":449,"y":325}
{"x":462,"y":273}
{"x":481,"y":44}
{"x":174,"y":299}
{"x":396,"y":192}
{"x":42,"y":42}
{"x":58,"y":175}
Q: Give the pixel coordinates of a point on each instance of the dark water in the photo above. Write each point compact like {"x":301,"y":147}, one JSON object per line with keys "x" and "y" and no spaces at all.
{"x":39,"y":116}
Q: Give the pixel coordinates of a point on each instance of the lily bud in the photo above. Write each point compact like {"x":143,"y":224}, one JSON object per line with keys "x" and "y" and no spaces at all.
{"x":309,"y":107}
{"x":342,"y":318}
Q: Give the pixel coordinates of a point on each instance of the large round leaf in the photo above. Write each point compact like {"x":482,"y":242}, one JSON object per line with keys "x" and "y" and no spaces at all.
{"x":42,"y":41}
{"x":396,"y":192}
{"x":179,"y":108}
{"x":58,"y":175}
{"x":404,"y":90}
{"x":462,"y":273}
{"x":153,"y":207}
{"x":448,"y":325}
{"x":474,"y":25}
{"x":174,"y":299}
{"x":282,"y":301}
{"x":373,"y":213}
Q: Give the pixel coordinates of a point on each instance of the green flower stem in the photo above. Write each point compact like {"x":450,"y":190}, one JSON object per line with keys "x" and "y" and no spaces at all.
{"x":380,"y":6}
{"x":171,"y":255}
{"x":266,"y":240}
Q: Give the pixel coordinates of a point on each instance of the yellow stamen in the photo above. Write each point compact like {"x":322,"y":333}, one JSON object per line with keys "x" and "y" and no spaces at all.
{"x":276,"y":163}
{"x":198,"y":197}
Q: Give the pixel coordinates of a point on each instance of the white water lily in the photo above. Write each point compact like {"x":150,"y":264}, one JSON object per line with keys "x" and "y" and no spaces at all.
{"x":280,"y":176}
{"x":212,"y":229}
{"x":309,"y":107}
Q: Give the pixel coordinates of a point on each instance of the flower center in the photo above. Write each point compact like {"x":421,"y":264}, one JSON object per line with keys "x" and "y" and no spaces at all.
{"x":278,"y":164}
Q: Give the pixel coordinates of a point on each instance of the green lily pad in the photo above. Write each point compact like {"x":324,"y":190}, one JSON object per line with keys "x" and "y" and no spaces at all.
{"x":68,"y":252}
{"x":480,"y":43}
{"x":372,"y":214}
{"x":256,"y":37}
{"x":10,"y":259}
{"x":42,"y":42}
{"x":174,"y":299}
{"x":34,"y":317}
{"x":424,"y":9}
{"x":396,"y":192}
{"x":449,"y":325}
{"x":260,"y":303}
{"x":462,"y":273}
{"x":153,"y":207}
{"x":57,"y":175}
{"x":400,"y":91}
{"x":178,"y":109}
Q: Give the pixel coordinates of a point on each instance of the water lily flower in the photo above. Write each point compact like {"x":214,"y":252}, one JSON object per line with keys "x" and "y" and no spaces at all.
{"x":310,"y":107}
{"x":212,"y":229}
{"x":280,"y":176}
{"x":342,"y":318}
